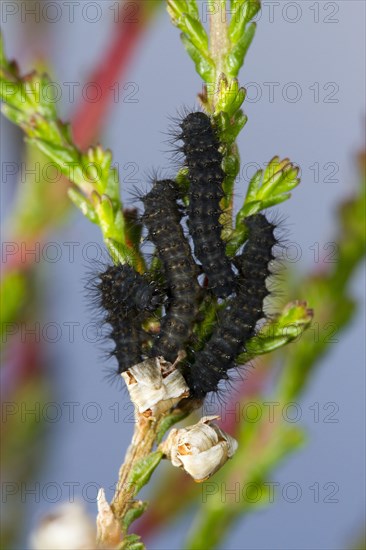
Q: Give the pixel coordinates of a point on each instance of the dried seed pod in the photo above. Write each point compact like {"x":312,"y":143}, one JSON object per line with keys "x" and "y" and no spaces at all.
{"x":155,"y":386}
{"x":109,"y":528}
{"x":200,"y":450}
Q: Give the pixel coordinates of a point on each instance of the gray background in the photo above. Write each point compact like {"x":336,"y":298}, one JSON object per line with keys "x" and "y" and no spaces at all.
{"x":304,"y":52}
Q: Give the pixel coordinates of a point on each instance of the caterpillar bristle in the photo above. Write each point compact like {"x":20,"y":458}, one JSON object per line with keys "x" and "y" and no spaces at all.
{"x":126,"y":299}
{"x":114,"y":379}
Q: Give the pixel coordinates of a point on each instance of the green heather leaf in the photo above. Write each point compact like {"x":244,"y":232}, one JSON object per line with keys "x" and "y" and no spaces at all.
{"x":11,"y":92}
{"x":268,"y":203}
{"x":274,"y":166}
{"x":176,"y":9}
{"x":190,"y":26}
{"x":64,"y":157}
{"x":270,"y":184}
{"x":266,"y":188}
{"x":204,"y":66}
{"x":288,"y":180}
{"x":196,"y":33}
{"x":13,"y":114}
{"x":112,"y":187}
{"x":245,"y":10}
{"x":230,"y":165}
{"x":235,"y":240}
{"x":121,"y":253}
{"x":81,"y":202}
{"x":97,"y":164}
{"x":117,"y":251}
{"x":253,"y":188}
{"x":106,"y":214}
{"x":230,"y":97}
{"x":233,"y":127}
{"x":182,"y":180}
{"x":295,"y":318}
{"x":135,"y":511}
{"x":119,"y":222}
{"x":142,"y":471}
{"x":269,"y":187}
{"x":132,"y":542}
{"x":235,"y":58}
{"x":193,"y":9}
{"x":113,"y":228}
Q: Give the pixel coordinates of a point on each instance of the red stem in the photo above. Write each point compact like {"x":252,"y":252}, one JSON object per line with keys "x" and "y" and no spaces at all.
{"x":88,"y":118}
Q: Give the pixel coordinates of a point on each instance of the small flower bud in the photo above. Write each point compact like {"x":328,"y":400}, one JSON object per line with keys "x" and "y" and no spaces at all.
{"x":155,"y":386}
{"x":201,"y":450}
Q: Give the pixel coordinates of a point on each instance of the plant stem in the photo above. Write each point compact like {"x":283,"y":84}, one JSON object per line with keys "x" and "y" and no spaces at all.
{"x":140,"y":447}
{"x":219,"y":42}
{"x":139,"y":464}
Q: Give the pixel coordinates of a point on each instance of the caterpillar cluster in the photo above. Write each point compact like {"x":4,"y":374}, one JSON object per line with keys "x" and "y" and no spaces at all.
{"x":130,"y":299}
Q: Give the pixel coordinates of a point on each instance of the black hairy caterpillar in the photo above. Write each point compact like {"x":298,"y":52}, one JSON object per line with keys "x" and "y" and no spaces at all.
{"x":238,"y":320}
{"x":121,"y":286}
{"x":162,"y":217}
{"x":203,"y":160}
{"x":127,"y":299}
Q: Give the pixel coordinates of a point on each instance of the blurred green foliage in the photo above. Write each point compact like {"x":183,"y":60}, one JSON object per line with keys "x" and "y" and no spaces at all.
{"x":218,"y":57}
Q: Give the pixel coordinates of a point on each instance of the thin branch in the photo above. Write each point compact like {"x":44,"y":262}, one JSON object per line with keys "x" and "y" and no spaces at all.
{"x":140,"y":447}
{"x":219,"y":41}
